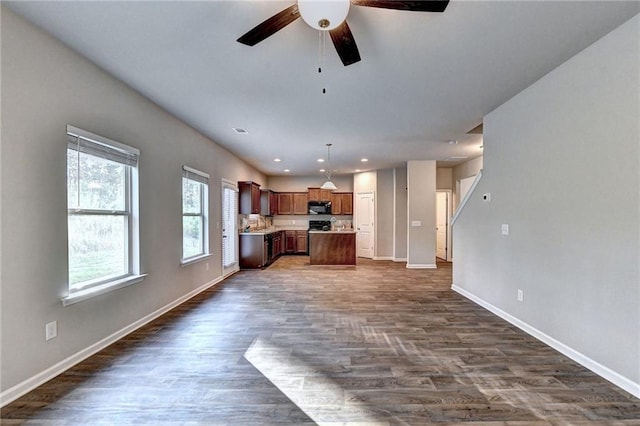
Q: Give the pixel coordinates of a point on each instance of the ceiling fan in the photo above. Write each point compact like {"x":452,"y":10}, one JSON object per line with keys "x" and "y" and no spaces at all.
{"x":330,"y":15}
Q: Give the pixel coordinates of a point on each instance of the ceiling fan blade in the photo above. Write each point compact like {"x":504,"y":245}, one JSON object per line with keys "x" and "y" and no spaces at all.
{"x":345,"y":44}
{"x":414,"y":6}
{"x":270,"y":26}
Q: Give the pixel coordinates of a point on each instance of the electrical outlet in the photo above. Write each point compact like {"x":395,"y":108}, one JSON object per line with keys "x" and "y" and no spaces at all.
{"x":206,"y":266}
{"x":51,"y":330}
{"x":520,"y":295}
{"x":505,"y":229}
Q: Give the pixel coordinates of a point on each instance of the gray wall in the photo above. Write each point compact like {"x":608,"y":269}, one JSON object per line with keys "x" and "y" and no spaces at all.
{"x":421,"y":207}
{"x":384,"y":215}
{"x":561,"y":161}
{"x":400,"y":183}
{"x":301,"y":183}
{"x":44,"y":87}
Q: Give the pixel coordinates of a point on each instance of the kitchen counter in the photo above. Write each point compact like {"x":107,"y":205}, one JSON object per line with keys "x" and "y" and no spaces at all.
{"x":344,"y":231}
{"x":332,"y":247}
{"x":270,"y":231}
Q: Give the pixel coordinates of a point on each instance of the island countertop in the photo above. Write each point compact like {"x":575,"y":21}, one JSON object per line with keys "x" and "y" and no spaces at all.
{"x":345,"y":231}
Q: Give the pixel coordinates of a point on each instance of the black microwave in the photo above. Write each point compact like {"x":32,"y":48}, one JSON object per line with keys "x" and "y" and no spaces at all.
{"x":319,"y":207}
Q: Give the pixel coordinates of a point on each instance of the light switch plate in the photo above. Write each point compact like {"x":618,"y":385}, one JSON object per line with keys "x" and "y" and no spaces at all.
{"x":416,"y":223}
{"x":505,"y":229}
{"x":51,"y":330}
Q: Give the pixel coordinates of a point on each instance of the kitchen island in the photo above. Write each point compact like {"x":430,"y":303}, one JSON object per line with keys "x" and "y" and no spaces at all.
{"x":332,"y":247}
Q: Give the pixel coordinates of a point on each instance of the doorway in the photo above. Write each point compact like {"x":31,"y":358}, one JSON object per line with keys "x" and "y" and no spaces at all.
{"x":443,"y":225}
{"x":365,"y":211}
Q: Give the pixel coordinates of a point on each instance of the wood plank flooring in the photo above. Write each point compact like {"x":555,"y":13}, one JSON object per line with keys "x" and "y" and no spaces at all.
{"x":375,"y":344}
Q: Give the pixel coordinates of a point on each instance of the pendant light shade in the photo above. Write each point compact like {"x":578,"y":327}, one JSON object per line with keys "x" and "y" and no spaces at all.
{"x":328,"y":184}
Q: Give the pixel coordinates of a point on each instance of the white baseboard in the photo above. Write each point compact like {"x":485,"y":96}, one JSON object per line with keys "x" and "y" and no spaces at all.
{"x":382,"y":257}
{"x":33,"y":382}
{"x":421,"y":266}
{"x":399,"y":259}
{"x":599,"y":369}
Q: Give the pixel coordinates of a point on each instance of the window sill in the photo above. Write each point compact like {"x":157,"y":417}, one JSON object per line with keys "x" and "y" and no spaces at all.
{"x":89,"y":293}
{"x":196,"y":259}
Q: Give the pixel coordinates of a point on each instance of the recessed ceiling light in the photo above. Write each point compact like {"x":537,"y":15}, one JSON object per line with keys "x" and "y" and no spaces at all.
{"x":458,"y":158}
{"x":364,"y":160}
{"x":277,"y":160}
{"x":357,"y":170}
{"x":322,"y":170}
{"x":320,"y":160}
{"x":453,"y":142}
{"x":287,"y":170}
{"x":240,"y":131}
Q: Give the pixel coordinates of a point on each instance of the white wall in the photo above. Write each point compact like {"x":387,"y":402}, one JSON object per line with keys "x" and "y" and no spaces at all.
{"x":421,"y":207}
{"x":44,"y":87}
{"x":462,"y":171}
{"x":561,"y":161}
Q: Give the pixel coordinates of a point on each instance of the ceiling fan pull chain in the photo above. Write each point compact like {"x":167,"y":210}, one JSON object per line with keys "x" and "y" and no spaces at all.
{"x":321,"y":49}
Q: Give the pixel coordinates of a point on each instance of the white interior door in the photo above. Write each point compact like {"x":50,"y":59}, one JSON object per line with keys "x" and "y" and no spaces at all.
{"x":365,"y":210}
{"x":229,"y":228}
{"x":442,"y":224}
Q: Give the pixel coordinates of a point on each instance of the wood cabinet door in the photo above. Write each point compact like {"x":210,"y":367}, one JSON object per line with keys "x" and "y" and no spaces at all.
{"x":313,"y":194}
{"x":255,"y":198}
{"x":290,"y":241}
{"x":285,"y":203}
{"x":325,"y":195}
{"x":336,"y":203}
{"x":346,"y":201}
{"x":273,"y":203}
{"x":300,"y":203}
{"x":301,"y":241}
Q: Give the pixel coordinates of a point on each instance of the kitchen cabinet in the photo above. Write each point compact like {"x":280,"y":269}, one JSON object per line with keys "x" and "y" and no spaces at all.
{"x":300,"y":204}
{"x":249,"y":197}
{"x":301,"y":242}
{"x":295,"y":242}
{"x":342,"y":203}
{"x":268,"y":202}
{"x":285,"y":203}
{"x":258,"y":250}
{"x":318,"y":194}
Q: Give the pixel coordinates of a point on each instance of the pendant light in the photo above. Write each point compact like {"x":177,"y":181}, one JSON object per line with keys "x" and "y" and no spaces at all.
{"x":328,"y":184}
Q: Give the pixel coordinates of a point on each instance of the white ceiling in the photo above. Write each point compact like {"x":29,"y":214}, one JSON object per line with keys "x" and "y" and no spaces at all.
{"x":424,"y":78}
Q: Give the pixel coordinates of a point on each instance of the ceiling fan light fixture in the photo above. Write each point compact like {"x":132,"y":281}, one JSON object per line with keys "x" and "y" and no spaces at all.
{"x":324,"y":15}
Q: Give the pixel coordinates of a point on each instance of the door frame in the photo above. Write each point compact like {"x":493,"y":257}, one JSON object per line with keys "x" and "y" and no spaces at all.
{"x":373,"y":220}
{"x":235,"y":267}
{"x":449,"y":256}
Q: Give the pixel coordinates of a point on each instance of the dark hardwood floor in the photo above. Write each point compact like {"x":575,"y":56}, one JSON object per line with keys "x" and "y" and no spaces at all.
{"x":375,"y":344}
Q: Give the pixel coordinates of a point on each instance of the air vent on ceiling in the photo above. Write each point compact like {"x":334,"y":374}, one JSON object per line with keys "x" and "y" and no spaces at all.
{"x":240,"y":131}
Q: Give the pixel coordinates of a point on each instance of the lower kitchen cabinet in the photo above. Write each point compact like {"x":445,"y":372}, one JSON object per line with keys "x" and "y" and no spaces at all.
{"x":259,"y":250}
{"x":295,"y":242}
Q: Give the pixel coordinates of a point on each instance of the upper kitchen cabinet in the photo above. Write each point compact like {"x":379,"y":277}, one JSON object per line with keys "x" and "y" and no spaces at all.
{"x":285,"y":203}
{"x":300,"y":203}
{"x":249,"y":197}
{"x":319,"y":194}
{"x":292,"y":203}
{"x":342,"y":203}
{"x":268,"y":202}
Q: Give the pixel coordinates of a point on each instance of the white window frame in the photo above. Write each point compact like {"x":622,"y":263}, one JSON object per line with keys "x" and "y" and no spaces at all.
{"x":203,"y":179}
{"x":129,"y":157}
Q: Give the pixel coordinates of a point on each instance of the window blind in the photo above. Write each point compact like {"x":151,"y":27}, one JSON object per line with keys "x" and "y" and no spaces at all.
{"x":88,"y":143}
{"x":229,"y":214}
{"x":195,"y":175}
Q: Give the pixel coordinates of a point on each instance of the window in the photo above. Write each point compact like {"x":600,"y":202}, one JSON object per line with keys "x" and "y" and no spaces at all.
{"x":195,"y":217}
{"x":102,"y":203}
